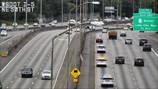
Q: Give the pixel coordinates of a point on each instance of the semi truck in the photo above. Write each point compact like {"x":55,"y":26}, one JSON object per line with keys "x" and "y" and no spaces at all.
{"x":112,"y":35}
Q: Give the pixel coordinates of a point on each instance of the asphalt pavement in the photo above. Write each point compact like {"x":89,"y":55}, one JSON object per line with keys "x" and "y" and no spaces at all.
{"x":37,"y":55}
{"x":152,"y":37}
{"x":11,"y":34}
{"x":128,"y":76}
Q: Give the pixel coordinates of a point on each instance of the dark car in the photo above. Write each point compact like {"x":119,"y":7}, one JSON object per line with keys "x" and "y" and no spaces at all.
{"x":147,"y":48}
{"x":123,"y":34}
{"x":128,"y":41}
{"x":120,"y":60}
{"x":27,"y":73}
{"x":141,"y":31}
{"x":99,"y":40}
{"x":142,"y":42}
{"x":139,"y":62}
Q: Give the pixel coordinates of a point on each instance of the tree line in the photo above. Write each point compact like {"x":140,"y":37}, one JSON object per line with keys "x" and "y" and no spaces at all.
{"x":52,"y":8}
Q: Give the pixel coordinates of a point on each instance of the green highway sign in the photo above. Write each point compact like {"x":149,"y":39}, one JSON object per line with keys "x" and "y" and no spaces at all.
{"x":140,"y":14}
{"x":145,"y":11}
{"x":146,"y":23}
{"x":145,"y":20}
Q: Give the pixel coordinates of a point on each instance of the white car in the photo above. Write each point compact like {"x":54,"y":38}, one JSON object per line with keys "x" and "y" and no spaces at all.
{"x":55,"y":21}
{"x":52,"y":24}
{"x":77,"y":30}
{"x":101,"y":63}
{"x":126,"y":18}
{"x":128,"y":41}
{"x":97,"y":25}
{"x":3,"y":26}
{"x":15,"y":24}
{"x":108,"y":20}
{"x":46,"y":74}
{"x":101,"y":48}
{"x":107,"y":81}
{"x":26,"y":25}
{"x":125,"y":28}
{"x":4,"y":33}
{"x":35,"y":24}
{"x":104,"y":30}
{"x":72,"y":22}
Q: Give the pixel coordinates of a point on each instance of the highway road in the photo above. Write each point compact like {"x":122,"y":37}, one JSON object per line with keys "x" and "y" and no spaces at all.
{"x":12,"y":34}
{"x":152,"y":37}
{"x":37,"y":55}
{"x":127,"y":76}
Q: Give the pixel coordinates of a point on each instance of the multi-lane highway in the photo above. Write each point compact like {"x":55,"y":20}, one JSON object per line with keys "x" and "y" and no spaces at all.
{"x":128,"y":76}
{"x":37,"y":55}
{"x":12,"y":34}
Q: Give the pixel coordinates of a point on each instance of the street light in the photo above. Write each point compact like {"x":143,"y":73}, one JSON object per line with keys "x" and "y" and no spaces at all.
{"x":26,"y":24}
{"x":14,"y":23}
{"x":81,"y":15}
{"x":62,"y":11}
{"x":95,"y":2}
{"x":40,"y":19}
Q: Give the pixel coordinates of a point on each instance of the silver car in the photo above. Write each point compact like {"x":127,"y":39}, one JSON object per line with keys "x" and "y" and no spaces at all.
{"x":46,"y":74}
{"x":107,"y":81}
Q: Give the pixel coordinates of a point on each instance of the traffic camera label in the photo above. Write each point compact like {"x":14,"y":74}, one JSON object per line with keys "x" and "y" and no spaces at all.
{"x":17,"y":6}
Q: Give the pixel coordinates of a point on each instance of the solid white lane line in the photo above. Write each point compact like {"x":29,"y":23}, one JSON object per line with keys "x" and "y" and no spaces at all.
{"x":61,"y":65}
{"x":13,"y":58}
{"x":59,"y":69}
{"x":154,"y":52}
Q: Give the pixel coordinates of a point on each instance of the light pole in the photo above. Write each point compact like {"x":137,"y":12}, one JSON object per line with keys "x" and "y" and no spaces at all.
{"x":62,"y":11}
{"x":103,"y":9}
{"x":52,"y":62}
{"x":53,"y":39}
{"x":41,"y":19}
{"x":26,"y":16}
{"x":81,"y":18}
{"x":14,"y":24}
{"x":111,"y":6}
{"x":76,"y":11}
{"x":133,"y":6}
{"x":140,"y":4}
{"x":117,"y":8}
{"x":93,"y":10}
{"x":121,"y":9}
